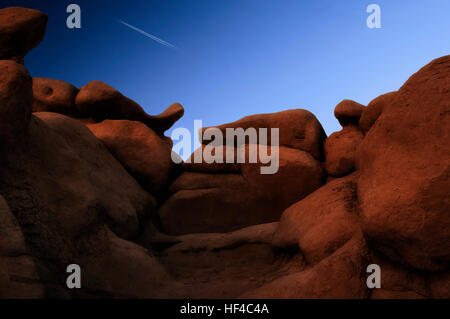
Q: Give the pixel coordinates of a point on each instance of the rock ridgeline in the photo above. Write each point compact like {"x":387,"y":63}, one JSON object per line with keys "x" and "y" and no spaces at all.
{"x":86,"y":177}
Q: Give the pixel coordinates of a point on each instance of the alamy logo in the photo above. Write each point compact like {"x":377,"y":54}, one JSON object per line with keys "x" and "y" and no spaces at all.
{"x":74,"y":279}
{"x":374,"y":19}
{"x":374,"y":280}
{"x":74,"y":19}
{"x":240,"y":145}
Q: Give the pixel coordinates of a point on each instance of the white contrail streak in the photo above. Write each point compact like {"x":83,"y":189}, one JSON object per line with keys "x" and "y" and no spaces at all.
{"x":160,"y":41}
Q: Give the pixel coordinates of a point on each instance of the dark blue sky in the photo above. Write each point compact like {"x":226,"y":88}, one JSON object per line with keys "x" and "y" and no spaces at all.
{"x":241,"y":57}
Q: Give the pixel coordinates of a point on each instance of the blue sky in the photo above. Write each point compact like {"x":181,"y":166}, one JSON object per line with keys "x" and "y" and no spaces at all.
{"x":241,"y":57}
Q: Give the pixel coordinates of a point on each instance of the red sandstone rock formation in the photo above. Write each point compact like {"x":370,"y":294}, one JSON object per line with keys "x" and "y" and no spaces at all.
{"x":222,"y":202}
{"x":21,"y":30}
{"x":54,"y":96}
{"x":299,"y":129}
{"x":404,"y":164}
{"x":141,"y":151}
{"x":373,"y":111}
{"x":225,"y":197}
{"x":322,"y":222}
{"x":78,"y":187}
{"x":340,"y":147}
{"x":15,"y":260}
{"x":99,"y":101}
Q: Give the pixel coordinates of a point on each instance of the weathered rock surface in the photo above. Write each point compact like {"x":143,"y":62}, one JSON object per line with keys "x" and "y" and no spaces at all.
{"x":18,"y":274}
{"x":122,"y":269}
{"x":240,"y":261}
{"x":54,"y":96}
{"x":92,"y":175}
{"x":341,"y":275}
{"x":99,"y":101}
{"x":374,"y":110}
{"x":61,"y":184}
{"x":322,"y":222}
{"x":213,"y":166}
{"x":16,"y":97}
{"x":348,"y":112}
{"x":298,"y":129}
{"x":140,"y":150}
{"x":58,"y":205}
{"x":340,"y":149}
{"x":404,"y":168}
{"x":221,"y":197}
{"x":21,"y":30}
{"x":399,"y":281}
{"x":70,"y":193}
{"x":218,"y":202}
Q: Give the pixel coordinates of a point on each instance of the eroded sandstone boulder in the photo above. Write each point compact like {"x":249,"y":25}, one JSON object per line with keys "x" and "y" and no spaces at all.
{"x":213,"y":166}
{"x":322,"y":222}
{"x":341,"y":275}
{"x":374,"y":110}
{"x":16,"y":97}
{"x":67,"y":198}
{"x":18,"y":274}
{"x":399,"y":281}
{"x":298,"y":129}
{"x":222,"y":197}
{"x":348,"y":112}
{"x":61,"y":184}
{"x":140,"y":150}
{"x":227,"y":265}
{"x":21,"y":30}
{"x":99,"y":101}
{"x":54,"y":96}
{"x":404,"y":167}
{"x":340,"y":147}
{"x":217,"y":202}
{"x":119,"y":268}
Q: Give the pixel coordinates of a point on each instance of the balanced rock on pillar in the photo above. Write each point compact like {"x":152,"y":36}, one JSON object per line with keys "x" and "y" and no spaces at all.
{"x":21,"y":30}
{"x":340,"y":147}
